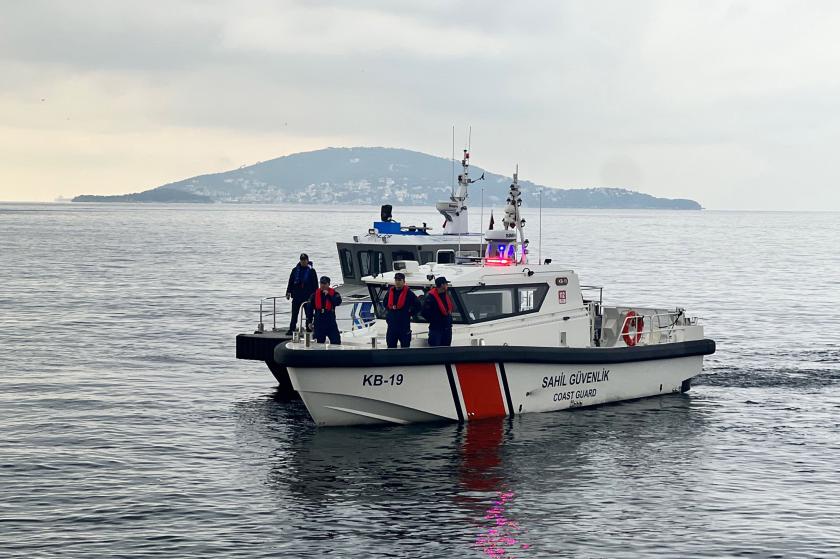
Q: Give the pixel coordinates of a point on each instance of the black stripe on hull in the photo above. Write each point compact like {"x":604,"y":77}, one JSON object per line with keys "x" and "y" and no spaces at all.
{"x":454,"y":389}
{"x":506,"y":389}
{"x":325,"y":358}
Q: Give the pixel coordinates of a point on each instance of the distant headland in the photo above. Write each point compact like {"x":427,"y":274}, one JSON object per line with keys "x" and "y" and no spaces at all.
{"x":373,"y":175}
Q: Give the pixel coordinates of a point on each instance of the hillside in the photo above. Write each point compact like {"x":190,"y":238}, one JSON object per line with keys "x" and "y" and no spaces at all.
{"x":373,"y":176}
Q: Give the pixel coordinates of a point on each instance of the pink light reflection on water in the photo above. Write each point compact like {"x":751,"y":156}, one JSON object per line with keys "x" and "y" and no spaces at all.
{"x":503,"y":538}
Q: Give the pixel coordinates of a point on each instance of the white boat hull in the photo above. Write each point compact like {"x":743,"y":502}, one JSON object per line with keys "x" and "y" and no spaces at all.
{"x":399,"y":394}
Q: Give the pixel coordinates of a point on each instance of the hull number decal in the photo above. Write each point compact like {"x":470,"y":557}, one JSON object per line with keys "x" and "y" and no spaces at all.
{"x":383,"y":380}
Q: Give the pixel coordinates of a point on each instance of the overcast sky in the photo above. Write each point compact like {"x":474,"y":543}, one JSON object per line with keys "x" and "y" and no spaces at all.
{"x":734,"y":104}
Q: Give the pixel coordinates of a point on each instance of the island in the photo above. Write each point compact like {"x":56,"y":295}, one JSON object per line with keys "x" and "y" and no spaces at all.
{"x":374,"y":176}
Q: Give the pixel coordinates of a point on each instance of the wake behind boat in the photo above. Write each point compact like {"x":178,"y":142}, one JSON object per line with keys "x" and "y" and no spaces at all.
{"x":525,"y":338}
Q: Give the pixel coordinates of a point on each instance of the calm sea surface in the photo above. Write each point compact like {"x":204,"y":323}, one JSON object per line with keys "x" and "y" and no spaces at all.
{"x":128,"y":428}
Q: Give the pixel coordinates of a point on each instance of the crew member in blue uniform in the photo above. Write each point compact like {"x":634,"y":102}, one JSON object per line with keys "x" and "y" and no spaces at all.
{"x":402,"y":304}
{"x":303,"y":281}
{"x":437,"y":309}
{"x":323,"y":303}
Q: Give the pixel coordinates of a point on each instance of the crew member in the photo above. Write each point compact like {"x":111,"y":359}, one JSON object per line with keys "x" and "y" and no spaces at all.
{"x":402,"y":303}
{"x":303,"y":281}
{"x":437,"y":309}
{"x":323,"y":303}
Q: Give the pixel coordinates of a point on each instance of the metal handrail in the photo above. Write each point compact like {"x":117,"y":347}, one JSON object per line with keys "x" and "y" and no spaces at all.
{"x":593,"y":288}
{"x":647,"y":326}
{"x":260,"y":326}
{"x":301,"y":313}
{"x":301,"y":316}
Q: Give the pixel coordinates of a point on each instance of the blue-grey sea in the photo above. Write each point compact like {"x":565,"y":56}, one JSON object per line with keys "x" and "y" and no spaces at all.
{"x":129,"y":429}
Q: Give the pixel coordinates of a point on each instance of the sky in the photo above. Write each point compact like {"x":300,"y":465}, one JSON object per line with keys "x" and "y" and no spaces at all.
{"x":735,"y":104}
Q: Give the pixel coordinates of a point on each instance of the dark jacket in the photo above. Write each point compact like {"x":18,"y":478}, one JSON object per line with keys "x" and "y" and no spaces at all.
{"x":431,"y":312}
{"x":325,"y":317}
{"x":401,"y":318}
{"x":302,"y":282}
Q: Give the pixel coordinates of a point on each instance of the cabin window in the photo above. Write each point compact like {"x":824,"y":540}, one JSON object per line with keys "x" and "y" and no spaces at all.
{"x":530,"y":298}
{"x":378,"y":263}
{"x":346,"y":259}
{"x":491,"y":302}
{"x":426,"y":256}
{"x":488,"y":303}
{"x":364,"y":263}
{"x":371,"y":263}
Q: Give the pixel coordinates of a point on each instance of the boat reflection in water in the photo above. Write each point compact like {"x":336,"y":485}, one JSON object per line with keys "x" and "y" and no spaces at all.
{"x":496,"y":487}
{"x":480,"y":473}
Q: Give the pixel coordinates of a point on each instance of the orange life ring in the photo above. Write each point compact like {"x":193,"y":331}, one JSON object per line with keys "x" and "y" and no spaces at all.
{"x":638,"y":324}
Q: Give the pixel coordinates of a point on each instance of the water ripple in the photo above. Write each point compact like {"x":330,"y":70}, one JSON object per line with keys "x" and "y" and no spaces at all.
{"x":127,"y":428}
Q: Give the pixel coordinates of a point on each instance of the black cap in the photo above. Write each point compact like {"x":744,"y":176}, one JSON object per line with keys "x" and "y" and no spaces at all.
{"x":399,"y":275}
{"x":325,"y":279}
{"x":440,"y":281}
{"x":304,"y":255}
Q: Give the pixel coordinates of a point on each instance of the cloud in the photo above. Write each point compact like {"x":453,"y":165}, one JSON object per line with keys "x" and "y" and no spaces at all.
{"x":722,"y":101}
{"x":320,"y":31}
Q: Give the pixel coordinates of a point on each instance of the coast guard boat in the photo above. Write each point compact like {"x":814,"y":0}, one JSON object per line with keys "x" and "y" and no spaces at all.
{"x":527,"y":337}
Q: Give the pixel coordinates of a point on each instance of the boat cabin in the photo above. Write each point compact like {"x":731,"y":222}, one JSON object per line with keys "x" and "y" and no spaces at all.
{"x":388,"y":241}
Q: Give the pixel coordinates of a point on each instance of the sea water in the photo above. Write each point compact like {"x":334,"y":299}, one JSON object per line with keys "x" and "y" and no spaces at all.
{"x":129,"y":429}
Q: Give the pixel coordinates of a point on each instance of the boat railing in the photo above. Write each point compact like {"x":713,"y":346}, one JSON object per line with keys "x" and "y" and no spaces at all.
{"x":657,"y":327}
{"x":261,"y":325}
{"x":361,"y":314}
{"x":588,"y":291}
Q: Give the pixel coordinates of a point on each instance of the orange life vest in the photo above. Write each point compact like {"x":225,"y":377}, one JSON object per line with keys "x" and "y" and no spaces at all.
{"x":322,"y":304}
{"x":450,"y":306}
{"x":400,"y":301}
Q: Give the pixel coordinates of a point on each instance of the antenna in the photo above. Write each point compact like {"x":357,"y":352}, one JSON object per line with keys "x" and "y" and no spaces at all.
{"x":481,"y":227}
{"x":539,"y":248}
{"x":469,"y":139}
{"x":453,"y":161}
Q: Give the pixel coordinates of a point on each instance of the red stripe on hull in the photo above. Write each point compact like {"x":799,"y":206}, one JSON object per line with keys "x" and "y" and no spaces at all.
{"x":480,"y":390}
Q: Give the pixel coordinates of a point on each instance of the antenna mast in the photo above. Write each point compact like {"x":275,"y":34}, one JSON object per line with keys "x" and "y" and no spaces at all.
{"x":481,"y":226}
{"x":455,"y":210}
{"x":513,"y":220}
{"x":453,"y":161}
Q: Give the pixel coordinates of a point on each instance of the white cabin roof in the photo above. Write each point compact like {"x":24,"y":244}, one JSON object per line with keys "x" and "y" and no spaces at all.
{"x":470,"y":275}
{"x":417,"y":240}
